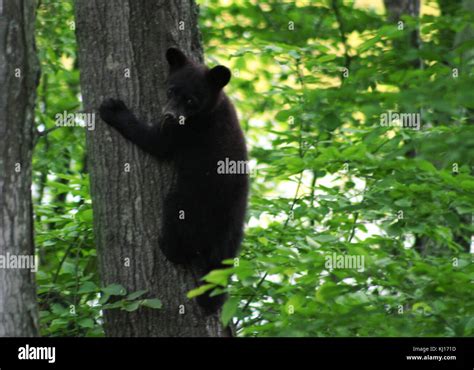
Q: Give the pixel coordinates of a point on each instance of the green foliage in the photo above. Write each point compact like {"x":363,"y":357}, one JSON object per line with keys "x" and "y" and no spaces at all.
{"x":332,"y":179}
{"x":67,"y":279}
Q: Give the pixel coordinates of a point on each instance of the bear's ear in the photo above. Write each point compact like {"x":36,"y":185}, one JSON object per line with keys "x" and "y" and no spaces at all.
{"x":219,"y":76}
{"x":176,"y":59}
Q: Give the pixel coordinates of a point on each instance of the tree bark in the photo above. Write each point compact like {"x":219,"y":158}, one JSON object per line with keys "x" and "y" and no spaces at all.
{"x":122,"y":47}
{"x":19,"y":71}
{"x":395,"y":10}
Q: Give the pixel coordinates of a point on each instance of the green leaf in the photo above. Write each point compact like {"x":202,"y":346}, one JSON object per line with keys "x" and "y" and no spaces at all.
{"x":114,"y":289}
{"x":467,"y":184}
{"x":263,"y":240}
{"x":136,"y":294}
{"x":132,"y":306}
{"x":86,"y":323}
{"x":85,"y":215}
{"x":312,"y":242}
{"x":325,"y":238}
{"x":200,"y":290}
{"x":218,"y":277}
{"x":152,"y":303}
{"x":326,"y":58}
{"x":87,"y":287}
{"x":368,"y":44}
{"x":229,"y":309}
{"x":426,"y":166}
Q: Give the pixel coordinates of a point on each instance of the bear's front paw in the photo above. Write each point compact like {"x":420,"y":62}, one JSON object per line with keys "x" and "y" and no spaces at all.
{"x":114,"y":112}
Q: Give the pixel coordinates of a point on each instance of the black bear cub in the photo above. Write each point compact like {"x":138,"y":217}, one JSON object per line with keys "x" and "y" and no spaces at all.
{"x":204,"y":214}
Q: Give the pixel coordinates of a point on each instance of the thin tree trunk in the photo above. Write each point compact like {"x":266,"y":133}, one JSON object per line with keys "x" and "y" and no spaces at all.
{"x":19,"y":72}
{"x":395,"y":10}
{"x":121,"y":55}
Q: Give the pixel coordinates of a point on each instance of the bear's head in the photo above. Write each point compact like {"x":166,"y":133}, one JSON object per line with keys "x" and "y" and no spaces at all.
{"x":193,"y":90}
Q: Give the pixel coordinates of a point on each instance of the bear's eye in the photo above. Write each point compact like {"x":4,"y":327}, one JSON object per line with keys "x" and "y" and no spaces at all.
{"x":190,"y":103}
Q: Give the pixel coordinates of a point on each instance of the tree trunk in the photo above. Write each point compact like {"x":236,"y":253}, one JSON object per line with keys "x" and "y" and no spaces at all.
{"x":122,"y":48}
{"x":19,"y":72}
{"x":395,"y":10}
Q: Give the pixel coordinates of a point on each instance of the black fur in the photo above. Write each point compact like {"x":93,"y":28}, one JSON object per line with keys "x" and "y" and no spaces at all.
{"x":198,"y":129}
